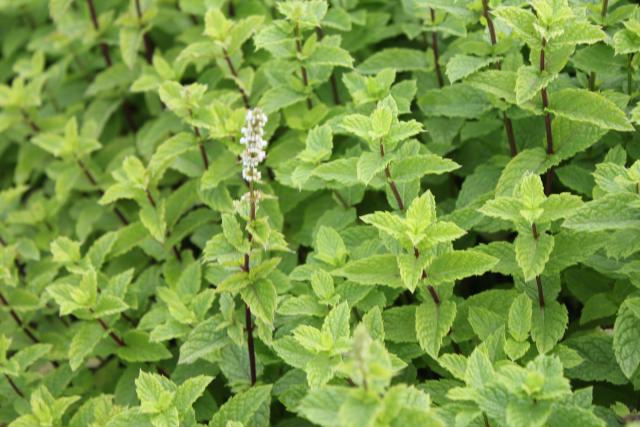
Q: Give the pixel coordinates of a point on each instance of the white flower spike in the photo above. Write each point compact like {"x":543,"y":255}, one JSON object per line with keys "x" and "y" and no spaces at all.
{"x":252,"y":138}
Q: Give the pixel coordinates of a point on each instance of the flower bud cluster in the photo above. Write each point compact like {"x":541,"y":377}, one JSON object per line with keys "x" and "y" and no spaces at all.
{"x":253,"y":140}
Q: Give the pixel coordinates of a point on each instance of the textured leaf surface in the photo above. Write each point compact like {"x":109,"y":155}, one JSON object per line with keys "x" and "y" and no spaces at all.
{"x":243,"y":407}
{"x":459,"y":100}
{"x":610,"y":212}
{"x":548,"y":325}
{"x":457,"y":265}
{"x":532,"y":254}
{"x":433,"y":322}
{"x":626,"y":336}
{"x":400,"y":59}
{"x":589,"y":107}
{"x":461,"y":66}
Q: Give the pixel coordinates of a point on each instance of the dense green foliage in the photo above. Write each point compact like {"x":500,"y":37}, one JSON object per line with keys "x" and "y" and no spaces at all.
{"x":445,"y":230}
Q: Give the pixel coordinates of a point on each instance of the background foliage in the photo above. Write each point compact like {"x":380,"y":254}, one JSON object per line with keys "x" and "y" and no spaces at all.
{"x":446,"y":230}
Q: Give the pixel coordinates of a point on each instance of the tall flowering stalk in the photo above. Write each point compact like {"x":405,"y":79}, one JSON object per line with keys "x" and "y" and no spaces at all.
{"x":253,"y":140}
{"x":253,"y":155}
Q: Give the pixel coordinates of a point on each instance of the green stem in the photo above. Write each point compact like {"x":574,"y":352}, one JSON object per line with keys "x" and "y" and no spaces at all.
{"x":234,"y":73}
{"x":629,"y":74}
{"x":115,"y":337}
{"x":392,"y":184}
{"x":592,"y":76}
{"x":508,"y":125}
{"x":16,"y":318}
{"x":547,"y":120}
{"x":536,"y":236}
{"x":432,"y":291}
{"x":203,"y":152}
{"x":126,"y":107}
{"x":341,"y":199}
{"x":436,"y":50}
{"x":332,"y":80}
{"x":303,"y":70}
{"x":247,"y":267}
{"x":148,"y":45}
{"x":87,"y":173}
{"x":605,"y":6}
{"x":96,"y":25}
{"x":13,"y":385}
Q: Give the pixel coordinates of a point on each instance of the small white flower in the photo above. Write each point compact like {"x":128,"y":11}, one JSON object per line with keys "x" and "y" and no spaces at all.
{"x":252,"y":157}
{"x":251,"y":175}
{"x":252,"y":139}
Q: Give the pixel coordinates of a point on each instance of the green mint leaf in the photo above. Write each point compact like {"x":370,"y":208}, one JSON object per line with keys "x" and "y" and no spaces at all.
{"x":625,"y":343}
{"x":433,"y":322}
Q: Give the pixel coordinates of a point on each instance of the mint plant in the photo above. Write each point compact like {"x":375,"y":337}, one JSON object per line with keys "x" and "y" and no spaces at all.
{"x":319,"y":212}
